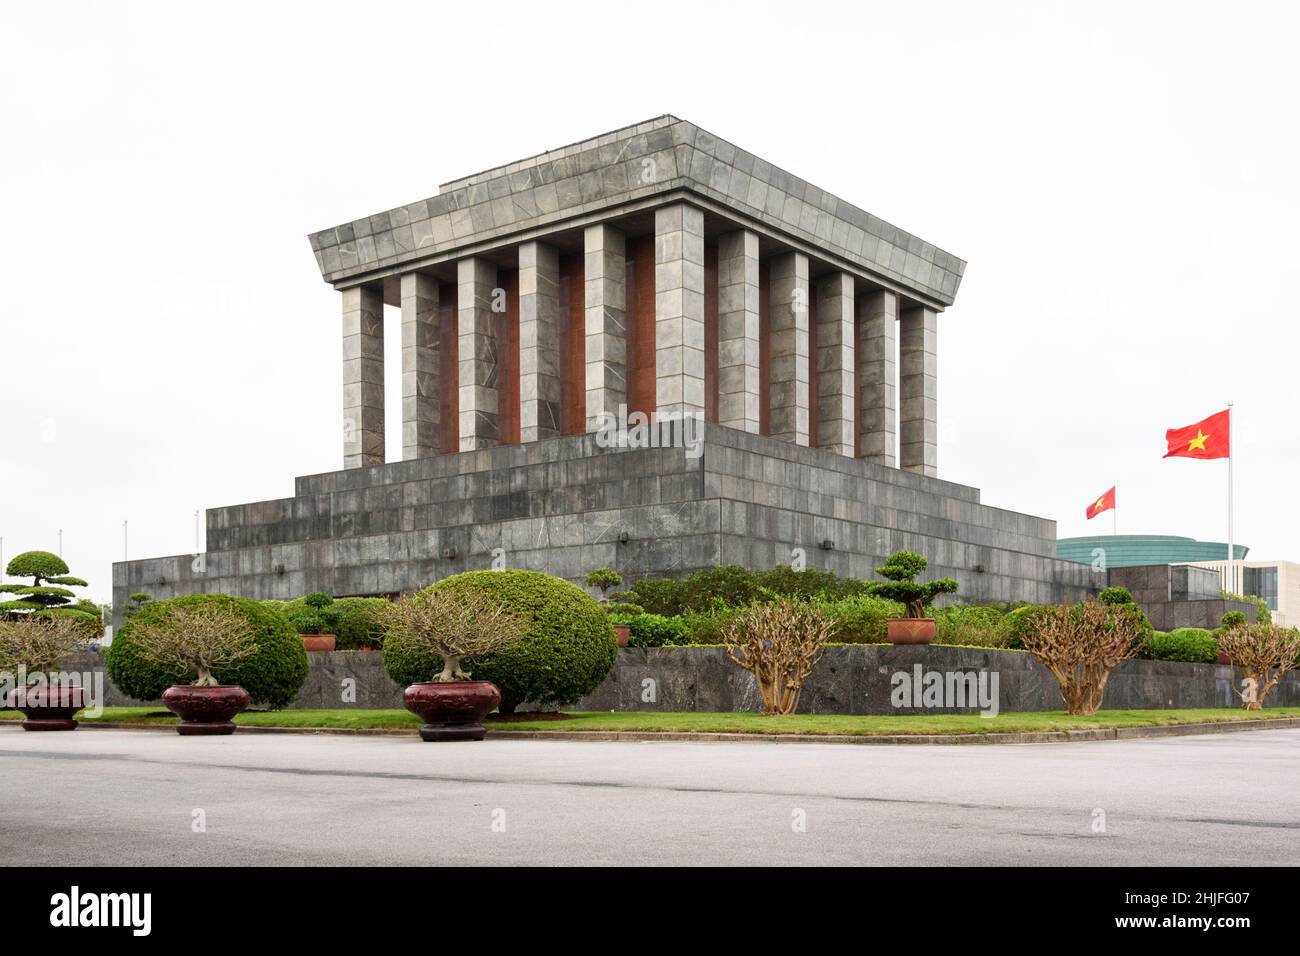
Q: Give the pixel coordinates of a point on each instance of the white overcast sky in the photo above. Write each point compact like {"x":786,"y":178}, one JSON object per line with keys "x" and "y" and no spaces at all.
{"x":1122,"y":178}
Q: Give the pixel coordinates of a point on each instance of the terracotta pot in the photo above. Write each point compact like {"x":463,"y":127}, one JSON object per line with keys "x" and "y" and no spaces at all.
{"x":205,"y":711}
{"x":911,"y":630}
{"x":319,"y":642}
{"x":622,"y":632}
{"x":1224,"y":658}
{"x":453,"y":711}
{"x":49,"y":708}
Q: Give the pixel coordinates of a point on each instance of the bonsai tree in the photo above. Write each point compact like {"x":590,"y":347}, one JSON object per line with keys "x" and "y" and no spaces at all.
{"x":604,"y":578}
{"x":455,"y":626}
{"x":1081,"y":644}
{"x":38,"y":644}
{"x":49,"y":587}
{"x":901,"y":568}
{"x":134,"y":603}
{"x":1264,"y":652}
{"x":779,"y":642}
{"x":310,"y":617}
{"x":195,"y":640}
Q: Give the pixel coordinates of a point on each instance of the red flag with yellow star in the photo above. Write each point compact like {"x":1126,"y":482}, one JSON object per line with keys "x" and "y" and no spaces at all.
{"x":1205,"y":439}
{"x":1104,"y":503}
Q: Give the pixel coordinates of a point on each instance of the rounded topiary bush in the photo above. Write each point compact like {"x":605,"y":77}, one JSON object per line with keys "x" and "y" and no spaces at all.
{"x":272,"y":675}
{"x":568,"y":648}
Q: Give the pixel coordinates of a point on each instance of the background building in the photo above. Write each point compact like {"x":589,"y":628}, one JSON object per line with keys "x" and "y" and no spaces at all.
{"x":1136,"y":550}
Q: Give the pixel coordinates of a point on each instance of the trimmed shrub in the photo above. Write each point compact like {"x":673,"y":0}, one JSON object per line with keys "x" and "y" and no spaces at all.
{"x":272,"y":675}
{"x":808,"y":583}
{"x":1115,"y":595}
{"x":862,"y":619}
{"x":705,"y":627}
{"x":568,"y":650}
{"x":737,"y":586}
{"x":1192,"y":644}
{"x":655,"y":630}
{"x":971,"y":625}
{"x":1018,"y":621}
{"x":357,"y":622}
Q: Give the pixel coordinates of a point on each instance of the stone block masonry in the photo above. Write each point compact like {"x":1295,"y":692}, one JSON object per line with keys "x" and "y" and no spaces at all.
{"x":565,"y":505}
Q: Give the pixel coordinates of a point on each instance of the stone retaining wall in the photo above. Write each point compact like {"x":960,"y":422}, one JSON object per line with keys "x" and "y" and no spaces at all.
{"x":850,"y":679}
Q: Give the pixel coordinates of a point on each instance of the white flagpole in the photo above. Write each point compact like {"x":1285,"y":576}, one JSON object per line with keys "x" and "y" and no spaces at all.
{"x":1232,"y":553}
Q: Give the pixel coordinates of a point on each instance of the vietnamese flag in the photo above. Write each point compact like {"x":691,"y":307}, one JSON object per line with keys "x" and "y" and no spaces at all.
{"x":1104,"y":503}
{"x":1205,"y":439}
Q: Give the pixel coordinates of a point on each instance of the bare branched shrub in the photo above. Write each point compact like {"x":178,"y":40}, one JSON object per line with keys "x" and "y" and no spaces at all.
{"x":779,"y":642}
{"x":39,"y":643}
{"x":455,"y":626}
{"x":1264,"y":652}
{"x":1081,"y":644}
{"x":197,"y":640}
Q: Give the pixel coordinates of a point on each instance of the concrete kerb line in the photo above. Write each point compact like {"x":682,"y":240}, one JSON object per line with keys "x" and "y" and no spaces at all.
{"x":589,"y":736}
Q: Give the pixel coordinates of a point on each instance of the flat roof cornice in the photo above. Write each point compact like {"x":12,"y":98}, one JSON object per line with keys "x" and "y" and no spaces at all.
{"x":622,"y":167}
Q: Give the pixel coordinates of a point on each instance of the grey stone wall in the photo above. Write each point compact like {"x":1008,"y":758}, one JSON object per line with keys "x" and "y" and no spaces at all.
{"x":848,"y":680}
{"x":1176,"y":596}
{"x":566,"y":505}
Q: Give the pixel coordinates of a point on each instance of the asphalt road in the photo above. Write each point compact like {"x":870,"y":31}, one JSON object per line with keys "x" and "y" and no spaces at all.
{"x":96,"y":797}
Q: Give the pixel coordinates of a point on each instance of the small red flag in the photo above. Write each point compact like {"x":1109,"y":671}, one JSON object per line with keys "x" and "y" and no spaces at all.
{"x":1104,"y":503}
{"x":1205,"y":439}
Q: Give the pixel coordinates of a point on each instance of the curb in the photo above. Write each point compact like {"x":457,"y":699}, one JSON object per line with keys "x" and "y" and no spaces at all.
{"x":1024,"y":737}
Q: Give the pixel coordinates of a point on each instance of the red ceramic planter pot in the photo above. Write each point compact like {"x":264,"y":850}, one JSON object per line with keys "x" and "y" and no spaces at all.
{"x":49,"y":708}
{"x":622,"y":632}
{"x":205,"y":711}
{"x":911,"y":630}
{"x":319,"y":642}
{"x":452,"y":711}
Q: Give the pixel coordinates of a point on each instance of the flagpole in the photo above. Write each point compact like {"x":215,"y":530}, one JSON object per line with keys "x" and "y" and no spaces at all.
{"x":1232,"y":553}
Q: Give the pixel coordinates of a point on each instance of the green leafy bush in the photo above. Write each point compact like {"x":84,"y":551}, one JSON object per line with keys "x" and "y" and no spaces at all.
{"x":972,"y":625}
{"x":568,"y":650}
{"x":862,"y":619}
{"x":272,"y":675}
{"x":1115,"y":595}
{"x":737,"y":586}
{"x":1018,"y":622}
{"x":655,"y":630}
{"x":1234,"y":619}
{"x":623,"y":610}
{"x":1192,"y":644}
{"x":705,"y":627}
{"x":357,"y":622}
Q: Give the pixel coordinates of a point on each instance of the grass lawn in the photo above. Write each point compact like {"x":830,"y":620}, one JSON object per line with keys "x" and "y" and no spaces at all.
{"x":727,"y":723}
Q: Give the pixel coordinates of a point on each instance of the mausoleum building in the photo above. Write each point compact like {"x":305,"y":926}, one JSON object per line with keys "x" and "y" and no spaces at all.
{"x":652,"y":273}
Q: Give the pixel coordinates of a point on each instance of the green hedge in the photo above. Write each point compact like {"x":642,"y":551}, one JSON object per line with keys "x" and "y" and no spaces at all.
{"x":355,"y":621}
{"x":272,"y":675}
{"x":735,"y":586}
{"x":862,"y":619}
{"x":972,"y":625}
{"x":654,"y":630}
{"x":568,"y":649}
{"x":1192,"y":644}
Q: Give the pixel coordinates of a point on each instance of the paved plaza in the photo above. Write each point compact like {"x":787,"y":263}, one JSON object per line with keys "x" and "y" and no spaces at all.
{"x":98,"y":797}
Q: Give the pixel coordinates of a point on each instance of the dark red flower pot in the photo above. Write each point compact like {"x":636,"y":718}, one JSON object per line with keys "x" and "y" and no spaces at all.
{"x":452,"y":711}
{"x":319,"y":642}
{"x":49,"y":708}
{"x":1224,"y":658}
{"x":623,"y":632}
{"x":205,"y":711}
{"x":911,"y":630}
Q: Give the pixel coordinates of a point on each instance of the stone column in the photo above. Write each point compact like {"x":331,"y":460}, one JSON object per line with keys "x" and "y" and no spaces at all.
{"x":363,"y":376}
{"x":835,"y":367}
{"x":788,"y":351}
{"x":918,"y":388}
{"x":679,"y":311}
{"x":738,"y":294}
{"x":605,"y":283}
{"x":877,"y":371}
{"x":421,"y":419}
{"x":539,"y":341}
{"x":479,"y":395}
